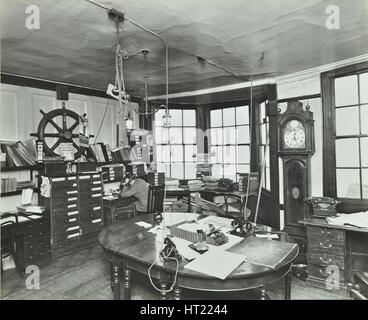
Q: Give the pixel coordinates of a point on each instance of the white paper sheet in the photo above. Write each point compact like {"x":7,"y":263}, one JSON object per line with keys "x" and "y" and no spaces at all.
{"x":216,"y":221}
{"x":183,"y":248}
{"x":27,"y":195}
{"x":171,"y":218}
{"x":144,"y":224}
{"x":216,"y":263}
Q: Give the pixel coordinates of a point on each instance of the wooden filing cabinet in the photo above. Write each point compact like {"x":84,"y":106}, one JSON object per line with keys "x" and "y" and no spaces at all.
{"x":75,"y":206}
{"x":326,"y":254}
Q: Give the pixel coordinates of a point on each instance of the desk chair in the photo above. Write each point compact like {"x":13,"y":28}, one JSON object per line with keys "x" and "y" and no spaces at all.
{"x":8,"y":238}
{"x":155,"y":202}
{"x":359,"y":288}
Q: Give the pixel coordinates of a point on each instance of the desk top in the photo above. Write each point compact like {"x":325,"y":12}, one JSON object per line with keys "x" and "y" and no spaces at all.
{"x":11,"y":216}
{"x":323,"y":223}
{"x":121,"y":240}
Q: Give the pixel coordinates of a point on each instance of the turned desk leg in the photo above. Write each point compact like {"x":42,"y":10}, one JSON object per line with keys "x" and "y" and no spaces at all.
{"x":263,"y":293}
{"x":177,"y":293}
{"x":163,"y":294}
{"x":116,"y":280}
{"x":127,"y":283}
{"x":288,"y":286}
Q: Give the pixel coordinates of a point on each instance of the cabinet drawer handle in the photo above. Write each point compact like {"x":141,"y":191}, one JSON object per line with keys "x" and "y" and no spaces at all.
{"x":329,"y":246}
{"x":325,"y":232}
{"x":328,"y":261}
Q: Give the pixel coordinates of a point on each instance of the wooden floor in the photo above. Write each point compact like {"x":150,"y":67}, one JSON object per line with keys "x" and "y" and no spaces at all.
{"x":85,"y":275}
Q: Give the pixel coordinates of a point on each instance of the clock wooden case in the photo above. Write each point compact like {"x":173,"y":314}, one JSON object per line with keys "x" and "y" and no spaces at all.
{"x":296,"y":146}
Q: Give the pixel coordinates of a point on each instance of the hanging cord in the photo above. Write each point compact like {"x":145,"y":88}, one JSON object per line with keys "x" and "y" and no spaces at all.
{"x":251,"y":129}
{"x":261,"y":179}
{"x":103,"y":118}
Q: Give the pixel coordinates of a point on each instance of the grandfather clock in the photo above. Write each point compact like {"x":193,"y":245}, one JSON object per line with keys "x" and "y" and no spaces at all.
{"x":296,"y":146}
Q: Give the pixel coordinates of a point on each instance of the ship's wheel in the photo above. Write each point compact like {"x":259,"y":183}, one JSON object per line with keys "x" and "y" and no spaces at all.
{"x":56,"y":127}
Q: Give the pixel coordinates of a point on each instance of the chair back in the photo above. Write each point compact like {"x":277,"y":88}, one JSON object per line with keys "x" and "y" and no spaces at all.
{"x":155,"y":199}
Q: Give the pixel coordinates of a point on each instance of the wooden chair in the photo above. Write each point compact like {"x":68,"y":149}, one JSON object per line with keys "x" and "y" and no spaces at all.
{"x":155,"y":199}
{"x":8,"y":238}
{"x":359,"y":288}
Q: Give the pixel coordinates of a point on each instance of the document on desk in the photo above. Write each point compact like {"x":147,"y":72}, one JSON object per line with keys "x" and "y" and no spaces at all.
{"x":216,"y":263}
{"x":171,"y":218}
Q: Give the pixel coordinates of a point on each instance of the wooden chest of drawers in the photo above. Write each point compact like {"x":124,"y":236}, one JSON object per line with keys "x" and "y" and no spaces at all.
{"x":76,"y":215}
{"x":326,"y":251}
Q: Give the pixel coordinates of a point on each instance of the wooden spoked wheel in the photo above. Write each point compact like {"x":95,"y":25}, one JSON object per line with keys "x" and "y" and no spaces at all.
{"x":59,"y":126}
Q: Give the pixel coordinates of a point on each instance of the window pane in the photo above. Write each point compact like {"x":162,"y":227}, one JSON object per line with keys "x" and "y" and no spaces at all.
{"x":190,"y":135}
{"x":229,"y":154}
{"x":242,"y":115}
{"x":243,"y":154}
{"x":190,"y":152}
{"x":217,"y":155}
{"x":363,"y":88}
{"x":364,"y":151}
{"x":216,"y":118}
{"x":176,"y":135}
{"x":189,"y":118}
{"x":158,"y":117}
{"x":163,"y":153}
{"x":364,"y":118}
{"x":347,"y":181}
{"x":164,"y":167}
{"x":229,"y":116}
{"x":262,"y":112}
{"x":216,"y":136}
{"x":230,"y":172}
{"x":229,"y":135}
{"x":347,"y":121}
{"x":346,"y":91}
{"x":176,"y":118}
{"x":177,"y":170}
{"x":263,"y":128}
{"x":268,"y":181}
{"x":161,"y":135}
{"x":217,"y":170}
{"x":365,"y":183}
{"x":243,"y":134}
{"x":176,"y":153}
{"x":347,"y":153}
{"x":190,"y":171}
{"x":243,"y":168}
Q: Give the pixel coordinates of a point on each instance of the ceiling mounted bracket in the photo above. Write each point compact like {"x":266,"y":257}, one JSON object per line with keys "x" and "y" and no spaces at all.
{"x":116,"y":15}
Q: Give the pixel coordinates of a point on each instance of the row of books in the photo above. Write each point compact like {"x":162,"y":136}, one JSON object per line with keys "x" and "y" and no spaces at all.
{"x":11,"y":185}
{"x":16,"y":155}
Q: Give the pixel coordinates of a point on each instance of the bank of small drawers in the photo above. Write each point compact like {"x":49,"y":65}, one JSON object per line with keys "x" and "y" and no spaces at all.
{"x":326,"y":253}
{"x":76,"y":210}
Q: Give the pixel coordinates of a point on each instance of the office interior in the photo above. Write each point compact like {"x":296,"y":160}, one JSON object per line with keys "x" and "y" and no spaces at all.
{"x":250,"y":115}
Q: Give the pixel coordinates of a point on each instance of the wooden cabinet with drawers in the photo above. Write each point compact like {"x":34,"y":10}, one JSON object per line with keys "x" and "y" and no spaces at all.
{"x":334,"y":253}
{"x":326,"y":250}
{"x":75,"y":206}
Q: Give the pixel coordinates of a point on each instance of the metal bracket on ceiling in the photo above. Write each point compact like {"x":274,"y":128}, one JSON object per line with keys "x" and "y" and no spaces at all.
{"x":116,"y":15}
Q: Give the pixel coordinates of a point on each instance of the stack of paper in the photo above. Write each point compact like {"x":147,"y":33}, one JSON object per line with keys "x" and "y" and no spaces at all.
{"x":359,"y":219}
{"x":216,"y":263}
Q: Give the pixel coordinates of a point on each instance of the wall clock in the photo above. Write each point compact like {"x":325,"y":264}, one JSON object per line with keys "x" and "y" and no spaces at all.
{"x":296,"y":146}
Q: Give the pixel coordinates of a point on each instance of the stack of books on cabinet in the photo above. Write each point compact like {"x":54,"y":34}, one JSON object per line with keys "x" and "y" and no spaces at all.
{"x":16,"y":155}
{"x":75,"y":207}
{"x":204,"y":167}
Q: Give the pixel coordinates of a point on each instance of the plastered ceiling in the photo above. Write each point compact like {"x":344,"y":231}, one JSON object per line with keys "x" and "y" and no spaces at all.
{"x":76,"y":41}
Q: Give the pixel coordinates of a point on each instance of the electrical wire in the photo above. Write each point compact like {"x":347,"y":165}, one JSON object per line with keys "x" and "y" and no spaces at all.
{"x":251,"y":129}
{"x":103,"y":118}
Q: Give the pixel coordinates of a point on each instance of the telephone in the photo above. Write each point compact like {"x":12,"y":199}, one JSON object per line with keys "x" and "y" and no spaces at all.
{"x":169,"y":251}
{"x":241,"y":227}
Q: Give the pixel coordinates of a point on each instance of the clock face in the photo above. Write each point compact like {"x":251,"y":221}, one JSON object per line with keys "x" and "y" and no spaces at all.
{"x":294,"y":135}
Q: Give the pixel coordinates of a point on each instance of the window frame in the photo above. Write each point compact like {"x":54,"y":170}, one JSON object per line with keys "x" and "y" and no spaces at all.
{"x":329,"y":134}
{"x":183,"y":144}
{"x":236,"y":145}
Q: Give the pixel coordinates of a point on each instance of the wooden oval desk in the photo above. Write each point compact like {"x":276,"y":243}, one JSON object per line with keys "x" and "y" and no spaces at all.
{"x":126,"y":251}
